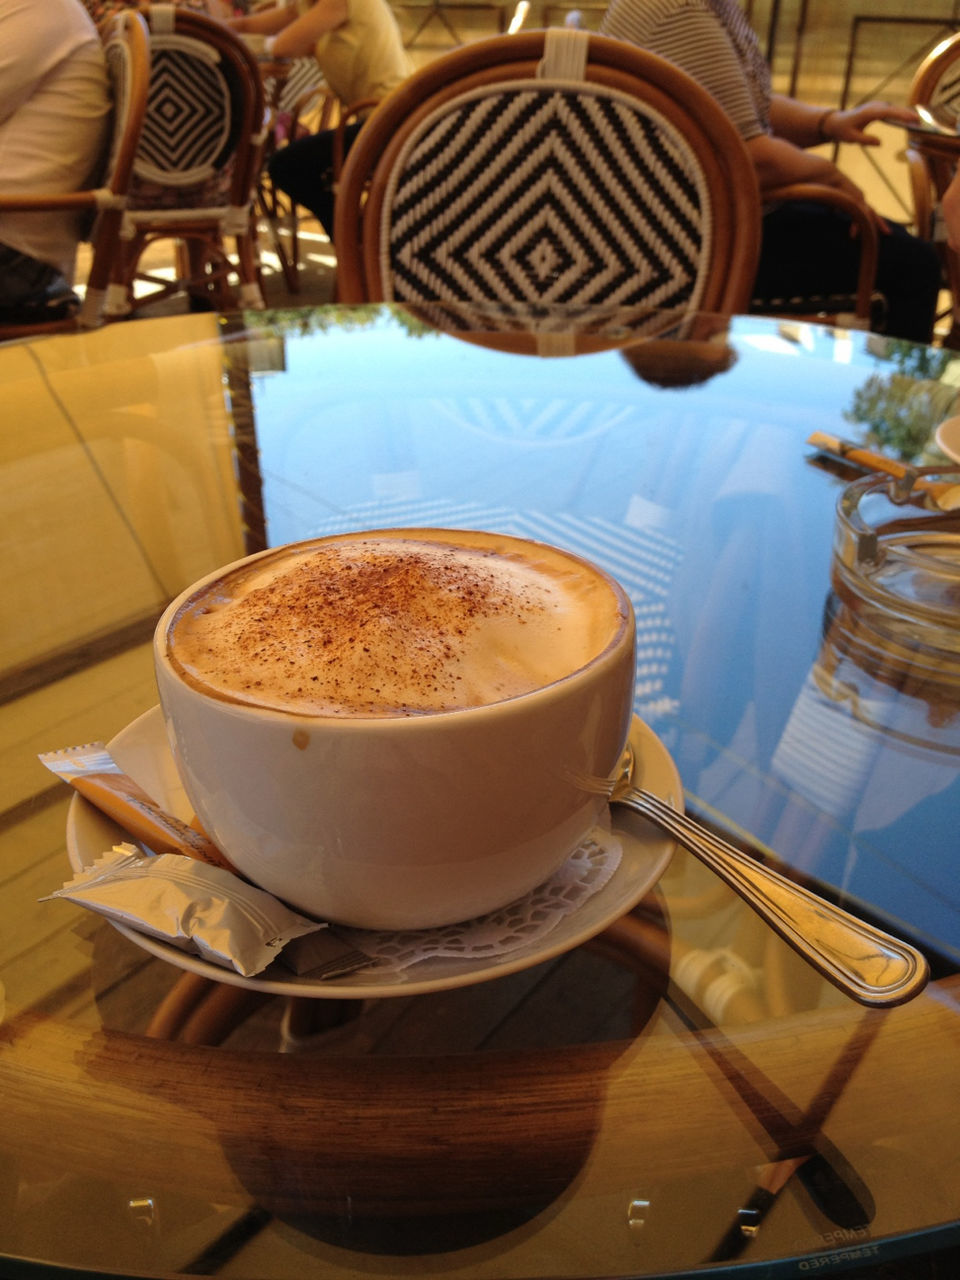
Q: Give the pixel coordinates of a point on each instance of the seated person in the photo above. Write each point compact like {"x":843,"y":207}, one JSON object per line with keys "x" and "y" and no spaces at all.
{"x":103,"y":10}
{"x":358,"y":47}
{"x":807,"y":248}
{"x":950,"y":206}
{"x":54,"y":118}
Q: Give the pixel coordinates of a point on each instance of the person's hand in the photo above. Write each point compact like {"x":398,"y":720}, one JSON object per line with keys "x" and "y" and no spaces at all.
{"x":850,"y":125}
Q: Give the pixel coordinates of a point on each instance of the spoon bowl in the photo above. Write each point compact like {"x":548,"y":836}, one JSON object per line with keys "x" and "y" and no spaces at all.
{"x":867,"y":964}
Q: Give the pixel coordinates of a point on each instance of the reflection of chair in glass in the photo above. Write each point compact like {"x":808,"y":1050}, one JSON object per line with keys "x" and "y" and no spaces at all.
{"x":196,"y":168}
{"x":128,"y":65}
{"x":544,"y":174}
{"x":932,"y":161}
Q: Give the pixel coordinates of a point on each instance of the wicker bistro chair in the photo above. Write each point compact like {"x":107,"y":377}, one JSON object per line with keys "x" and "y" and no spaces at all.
{"x":932,"y":161}
{"x":196,"y":169}
{"x":549,"y":180}
{"x":126,"y":45}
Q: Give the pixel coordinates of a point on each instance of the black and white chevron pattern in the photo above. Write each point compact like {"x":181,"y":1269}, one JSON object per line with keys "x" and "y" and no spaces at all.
{"x":302,"y":75}
{"x":547,"y":195}
{"x":187,"y":127}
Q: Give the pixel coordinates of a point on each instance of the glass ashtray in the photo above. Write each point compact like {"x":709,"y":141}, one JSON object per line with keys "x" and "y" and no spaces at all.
{"x":896,"y":565}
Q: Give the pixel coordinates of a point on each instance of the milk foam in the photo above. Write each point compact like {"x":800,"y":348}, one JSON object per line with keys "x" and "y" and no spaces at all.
{"x":402,"y":623}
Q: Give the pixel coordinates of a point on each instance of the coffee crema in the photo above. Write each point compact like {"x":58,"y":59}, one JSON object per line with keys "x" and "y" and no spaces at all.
{"x":395,"y":623}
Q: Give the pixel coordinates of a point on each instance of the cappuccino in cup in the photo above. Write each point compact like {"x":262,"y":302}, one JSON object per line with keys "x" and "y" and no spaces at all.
{"x":400,"y":728}
{"x":384,"y":625}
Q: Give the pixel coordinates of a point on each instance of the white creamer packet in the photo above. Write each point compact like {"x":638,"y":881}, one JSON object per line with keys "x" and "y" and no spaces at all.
{"x":190,"y":904}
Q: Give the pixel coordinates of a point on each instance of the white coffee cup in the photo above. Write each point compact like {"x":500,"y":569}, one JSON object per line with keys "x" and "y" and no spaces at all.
{"x":401,"y":817}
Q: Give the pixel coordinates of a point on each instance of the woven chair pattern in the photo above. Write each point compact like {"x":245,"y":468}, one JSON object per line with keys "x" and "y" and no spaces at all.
{"x":302,"y":76}
{"x":187,"y":133}
{"x":551,"y":196}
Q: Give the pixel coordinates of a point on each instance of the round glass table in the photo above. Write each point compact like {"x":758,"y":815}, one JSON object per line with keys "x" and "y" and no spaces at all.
{"x":671,"y":1092}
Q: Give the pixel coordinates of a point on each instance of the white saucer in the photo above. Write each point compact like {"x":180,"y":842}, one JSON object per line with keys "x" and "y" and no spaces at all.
{"x":141,"y":751}
{"x":948,"y":438}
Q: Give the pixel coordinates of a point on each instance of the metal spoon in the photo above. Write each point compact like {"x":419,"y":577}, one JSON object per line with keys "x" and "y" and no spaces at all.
{"x":868,"y":964}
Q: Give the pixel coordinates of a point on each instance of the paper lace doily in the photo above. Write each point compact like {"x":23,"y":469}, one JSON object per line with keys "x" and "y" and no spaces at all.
{"x":519,"y":924}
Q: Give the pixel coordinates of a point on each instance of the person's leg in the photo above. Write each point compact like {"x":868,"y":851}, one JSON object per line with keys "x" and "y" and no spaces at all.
{"x":808,"y":250}
{"x":304,"y":171}
{"x":30,"y":289}
{"x":910,"y":277}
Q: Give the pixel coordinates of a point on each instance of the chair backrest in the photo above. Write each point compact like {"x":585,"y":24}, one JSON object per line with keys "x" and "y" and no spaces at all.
{"x":549,"y":169}
{"x":932,"y":164}
{"x":205,"y":115}
{"x":936,"y":83}
{"x":127,"y":51}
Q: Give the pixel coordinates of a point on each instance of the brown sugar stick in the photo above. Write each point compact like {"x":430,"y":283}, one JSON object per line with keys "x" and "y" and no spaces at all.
{"x":92,"y":771}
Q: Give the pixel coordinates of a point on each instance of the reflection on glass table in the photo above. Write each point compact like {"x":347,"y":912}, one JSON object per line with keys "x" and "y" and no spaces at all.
{"x":677,"y":1092}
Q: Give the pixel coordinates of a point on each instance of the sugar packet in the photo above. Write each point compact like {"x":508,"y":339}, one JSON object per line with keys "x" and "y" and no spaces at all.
{"x":191,"y":905}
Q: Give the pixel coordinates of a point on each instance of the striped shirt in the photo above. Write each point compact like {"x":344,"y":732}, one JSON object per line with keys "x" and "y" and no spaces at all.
{"x":709,"y":39}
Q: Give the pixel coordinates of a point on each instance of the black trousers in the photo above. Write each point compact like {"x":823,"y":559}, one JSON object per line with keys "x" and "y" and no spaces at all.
{"x":27,"y":283}
{"x":808,"y":249}
{"x":303,"y":170}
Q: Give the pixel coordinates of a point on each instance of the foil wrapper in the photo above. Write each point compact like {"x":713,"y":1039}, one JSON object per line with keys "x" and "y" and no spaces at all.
{"x":191,"y":905}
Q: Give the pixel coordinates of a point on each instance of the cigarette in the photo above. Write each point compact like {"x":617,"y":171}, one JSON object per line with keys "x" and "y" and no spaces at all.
{"x":92,"y":771}
{"x":867,"y":460}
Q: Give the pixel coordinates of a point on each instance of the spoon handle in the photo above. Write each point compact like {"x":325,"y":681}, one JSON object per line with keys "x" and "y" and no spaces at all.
{"x":868,"y":964}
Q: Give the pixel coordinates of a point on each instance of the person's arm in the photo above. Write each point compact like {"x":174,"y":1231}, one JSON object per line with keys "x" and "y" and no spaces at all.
{"x":295,"y":36}
{"x":779,"y":162}
{"x":265,"y":23}
{"x":806,"y":125}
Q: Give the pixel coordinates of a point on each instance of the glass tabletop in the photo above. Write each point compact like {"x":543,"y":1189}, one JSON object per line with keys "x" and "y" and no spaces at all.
{"x":679,"y":1093}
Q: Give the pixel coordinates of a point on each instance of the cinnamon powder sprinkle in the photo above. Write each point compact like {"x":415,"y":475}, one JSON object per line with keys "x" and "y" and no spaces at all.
{"x":375,"y":628}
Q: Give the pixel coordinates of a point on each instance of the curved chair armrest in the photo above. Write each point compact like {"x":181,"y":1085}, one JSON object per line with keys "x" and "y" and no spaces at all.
{"x":864,"y":221}
{"x":34,"y":202}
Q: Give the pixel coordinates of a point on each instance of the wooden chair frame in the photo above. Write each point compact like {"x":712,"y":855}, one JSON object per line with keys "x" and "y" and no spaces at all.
{"x":207,"y":264}
{"x":930,"y":72}
{"x":104,"y":205}
{"x":869,"y":241}
{"x":728,"y":171}
{"x":932,"y":163}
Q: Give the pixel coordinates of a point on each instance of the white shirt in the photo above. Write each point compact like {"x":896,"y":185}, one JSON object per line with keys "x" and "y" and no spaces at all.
{"x":54,"y":117}
{"x":364,"y":57}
